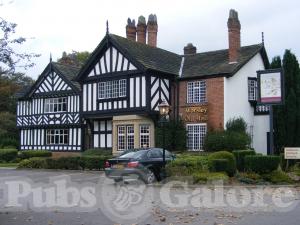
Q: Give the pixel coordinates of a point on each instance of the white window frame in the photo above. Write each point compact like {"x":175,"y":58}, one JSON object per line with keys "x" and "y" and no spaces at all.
{"x":112,"y":89}
{"x":126,"y":138}
{"x":252,"y":89}
{"x":62,"y":135}
{"x":145,"y":136}
{"x":56,"y":105}
{"x":196,"y":91}
{"x":196,"y":133}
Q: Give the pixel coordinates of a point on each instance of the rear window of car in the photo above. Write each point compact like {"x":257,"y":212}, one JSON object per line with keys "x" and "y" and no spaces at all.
{"x":134,"y":155}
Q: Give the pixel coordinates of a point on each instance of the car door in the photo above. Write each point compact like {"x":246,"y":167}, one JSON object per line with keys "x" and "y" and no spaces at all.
{"x":155,"y":158}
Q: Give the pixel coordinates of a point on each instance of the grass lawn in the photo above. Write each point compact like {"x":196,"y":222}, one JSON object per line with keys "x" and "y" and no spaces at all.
{"x":8,"y":165}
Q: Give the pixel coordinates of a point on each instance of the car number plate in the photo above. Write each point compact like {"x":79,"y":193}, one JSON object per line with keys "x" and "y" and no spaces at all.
{"x":118,"y":166}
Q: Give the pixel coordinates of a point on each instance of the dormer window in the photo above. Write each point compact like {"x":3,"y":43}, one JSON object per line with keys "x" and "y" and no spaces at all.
{"x":252,"y":89}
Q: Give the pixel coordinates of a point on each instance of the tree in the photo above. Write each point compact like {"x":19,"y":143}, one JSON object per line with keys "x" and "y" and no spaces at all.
{"x":9,"y":57}
{"x":287,"y":116}
{"x":74,"y":59}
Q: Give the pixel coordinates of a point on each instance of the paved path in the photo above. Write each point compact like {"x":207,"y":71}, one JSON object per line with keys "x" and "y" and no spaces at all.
{"x":103,"y":202}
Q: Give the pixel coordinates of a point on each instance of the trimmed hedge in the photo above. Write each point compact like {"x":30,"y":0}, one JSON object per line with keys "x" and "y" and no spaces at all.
{"x":261,"y":163}
{"x":97,"y":152}
{"x":26,"y":154}
{"x":240,"y":158}
{"x":231,"y":167}
{"x":204,"y":177}
{"x":33,"y":163}
{"x":65,"y":163}
{"x":226,"y":140}
{"x":93,"y":162}
{"x":219,"y":165}
{"x":8,"y":155}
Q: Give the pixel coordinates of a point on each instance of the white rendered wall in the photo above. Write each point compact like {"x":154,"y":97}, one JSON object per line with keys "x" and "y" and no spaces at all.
{"x":236,"y":102}
{"x":260,"y":129}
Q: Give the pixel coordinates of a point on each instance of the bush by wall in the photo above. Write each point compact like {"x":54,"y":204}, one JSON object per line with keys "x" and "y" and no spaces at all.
{"x":93,"y":162}
{"x":8,"y":155}
{"x":240,"y":156}
{"x":97,"y":152}
{"x":26,"y":154}
{"x":261,"y":163}
{"x":226,"y":140}
{"x":231,"y":166}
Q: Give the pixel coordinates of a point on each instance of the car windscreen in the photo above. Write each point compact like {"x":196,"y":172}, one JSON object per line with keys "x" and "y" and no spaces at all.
{"x":134,"y":155}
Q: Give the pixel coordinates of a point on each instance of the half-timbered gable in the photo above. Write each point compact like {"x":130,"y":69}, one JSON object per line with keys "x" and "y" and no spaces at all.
{"x":48,"y":114}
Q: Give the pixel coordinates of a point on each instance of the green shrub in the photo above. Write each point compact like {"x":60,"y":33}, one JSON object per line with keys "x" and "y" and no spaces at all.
{"x":240,"y":156}
{"x":261,"y":163}
{"x":226,"y":140}
{"x":8,"y":142}
{"x":186,"y":166}
{"x":231,"y":169}
{"x":8,"y":155}
{"x":68,"y":163}
{"x":93,"y":162}
{"x":204,"y":177}
{"x":219,"y":165}
{"x":33,"y":163}
{"x":175,"y":135}
{"x":26,"y":154}
{"x":237,"y":125}
{"x":97,"y":152}
{"x":278,"y":177}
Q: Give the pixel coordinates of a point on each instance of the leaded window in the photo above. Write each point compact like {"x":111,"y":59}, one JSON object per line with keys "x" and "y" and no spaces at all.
{"x":196,"y":92}
{"x":144,"y":136}
{"x":125,"y":137}
{"x":195,"y":136}
{"x":112,"y":89}
{"x":55,"y":105}
{"x":252,"y":89}
{"x":57,"y":137}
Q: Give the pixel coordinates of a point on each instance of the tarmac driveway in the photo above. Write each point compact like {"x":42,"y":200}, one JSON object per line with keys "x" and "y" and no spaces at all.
{"x":75,"y":197}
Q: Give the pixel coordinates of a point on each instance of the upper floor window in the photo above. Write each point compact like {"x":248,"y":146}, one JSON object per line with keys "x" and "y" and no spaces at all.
{"x":112,"y":89}
{"x":196,"y":92}
{"x":252,"y":89}
{"x":56,"y":105}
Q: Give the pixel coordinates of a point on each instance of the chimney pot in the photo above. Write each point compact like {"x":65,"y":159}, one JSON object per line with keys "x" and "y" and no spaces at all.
{"x":152,"y":30}
{"x":141,"y":30}
{"x":131,"y":30}
{"x":189,"y":49}
{"x":234,"y":36}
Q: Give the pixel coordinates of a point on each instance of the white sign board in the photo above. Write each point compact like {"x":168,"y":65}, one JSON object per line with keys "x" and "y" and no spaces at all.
{"x":292,"y":153}
{"x":270,"y":87}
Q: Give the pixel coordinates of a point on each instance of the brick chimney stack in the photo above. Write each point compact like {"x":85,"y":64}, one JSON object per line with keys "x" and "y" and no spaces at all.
{"x":189,"y":49}
{"x":131,"y":30}
{"x":152,"y":30}
{"x":234,"y":36}
{"x":141,"y":30}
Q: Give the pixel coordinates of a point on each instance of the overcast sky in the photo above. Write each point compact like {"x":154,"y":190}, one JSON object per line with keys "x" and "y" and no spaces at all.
{"x":66,"y":25}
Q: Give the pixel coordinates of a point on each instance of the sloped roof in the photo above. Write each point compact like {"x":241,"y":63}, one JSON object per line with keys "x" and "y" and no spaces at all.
{"x":69,"y":72}
{"x":145,"y":57}
{"x":216,"y":62}
{"x":150,"y":57}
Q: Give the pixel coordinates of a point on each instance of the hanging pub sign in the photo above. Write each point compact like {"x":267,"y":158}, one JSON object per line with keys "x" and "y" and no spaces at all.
{"x":270,"y":86}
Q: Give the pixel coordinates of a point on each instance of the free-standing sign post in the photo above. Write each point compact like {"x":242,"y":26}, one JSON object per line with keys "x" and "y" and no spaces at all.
{"x":270,"y":92}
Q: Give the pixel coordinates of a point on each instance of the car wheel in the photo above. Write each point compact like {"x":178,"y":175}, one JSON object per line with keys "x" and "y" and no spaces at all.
{"x":150,"y":177}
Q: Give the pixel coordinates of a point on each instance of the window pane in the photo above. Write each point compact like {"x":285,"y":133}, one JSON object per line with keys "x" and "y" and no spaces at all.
{"x":195,"y":136}
{"x":144,"y":136}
